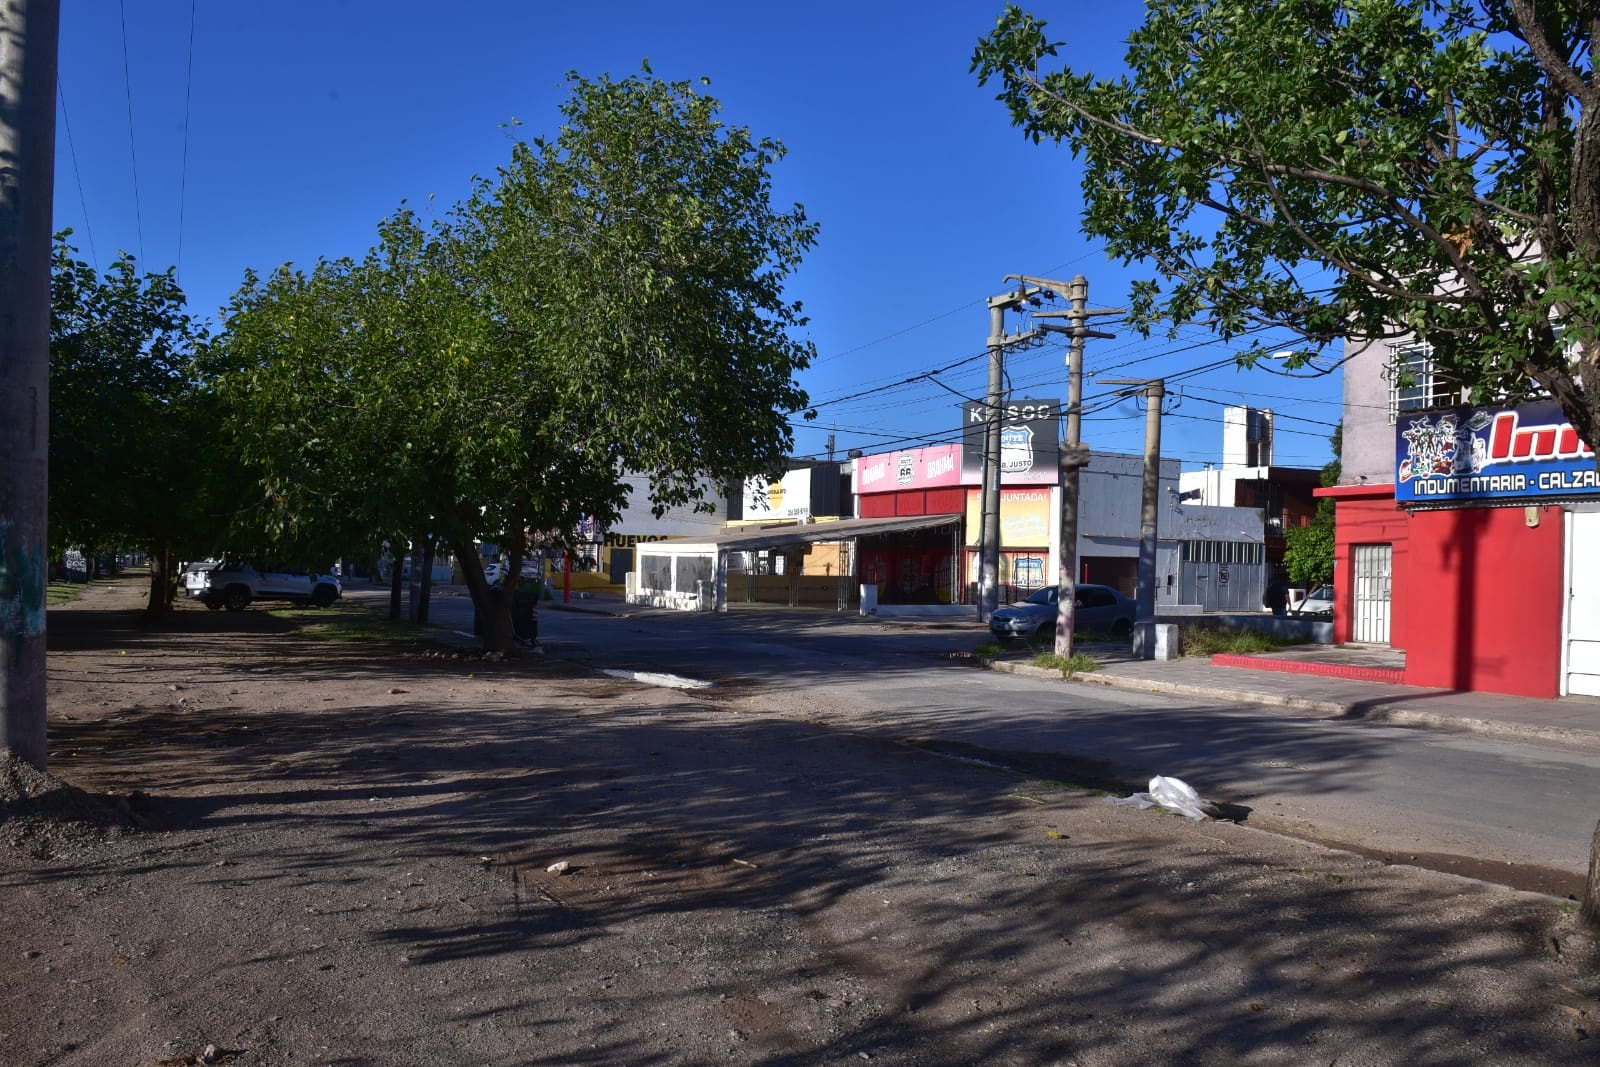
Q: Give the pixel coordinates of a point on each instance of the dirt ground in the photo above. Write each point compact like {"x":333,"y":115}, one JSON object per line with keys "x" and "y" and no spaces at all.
{"x":262,"y":843}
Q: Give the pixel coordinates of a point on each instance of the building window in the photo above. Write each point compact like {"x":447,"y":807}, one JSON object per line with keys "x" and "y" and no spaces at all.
{"x":1413,"y":384}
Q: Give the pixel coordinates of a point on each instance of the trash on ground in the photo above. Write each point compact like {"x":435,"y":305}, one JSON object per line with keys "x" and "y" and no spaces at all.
{"x":559,"y":867}
{"x":1174,"y":794}
{"x":669,"y":681}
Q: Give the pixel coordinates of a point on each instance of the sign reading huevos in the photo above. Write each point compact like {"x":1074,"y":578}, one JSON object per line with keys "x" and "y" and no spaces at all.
{"x":1483,"y":454}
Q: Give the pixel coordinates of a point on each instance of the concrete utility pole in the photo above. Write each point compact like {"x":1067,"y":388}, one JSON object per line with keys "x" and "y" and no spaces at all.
{"x":989,"y":535}
{"x":1144,"y":623}
{"x":28,"y":33}
{"x":989,"y":523}
{"x":1074,"y":457}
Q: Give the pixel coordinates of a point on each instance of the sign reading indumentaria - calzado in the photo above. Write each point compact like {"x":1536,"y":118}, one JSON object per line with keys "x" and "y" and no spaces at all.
{"x":1479,"y":455}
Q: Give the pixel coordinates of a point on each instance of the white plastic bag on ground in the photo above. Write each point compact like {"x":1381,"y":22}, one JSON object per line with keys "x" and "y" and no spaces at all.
{"x":1174,"y":794}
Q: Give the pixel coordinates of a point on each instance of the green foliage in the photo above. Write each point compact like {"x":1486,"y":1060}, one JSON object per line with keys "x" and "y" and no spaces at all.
{"x":1077,"y":663}
{"x":1308,"y":551}
{"x":1207,"y":642}
{"x":1347,"y":169}
{"x":131,"y":438}
{"x":610,"y":302}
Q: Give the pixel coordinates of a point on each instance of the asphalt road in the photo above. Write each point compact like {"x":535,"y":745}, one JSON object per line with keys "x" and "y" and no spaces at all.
{"x":1517,"y":812}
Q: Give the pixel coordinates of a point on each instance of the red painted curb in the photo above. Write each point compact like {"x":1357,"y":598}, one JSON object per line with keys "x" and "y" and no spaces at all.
{"x":1324,"y":670}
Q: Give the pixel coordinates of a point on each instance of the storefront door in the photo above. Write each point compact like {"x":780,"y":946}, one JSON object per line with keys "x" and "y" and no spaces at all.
{"x":1370,"y":622}
{"x":1581,"y":662}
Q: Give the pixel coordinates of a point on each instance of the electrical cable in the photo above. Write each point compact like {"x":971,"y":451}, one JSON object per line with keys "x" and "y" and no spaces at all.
{"x":72,"y":149}
{"x":183,"y":184}
{"x":127,"y":85}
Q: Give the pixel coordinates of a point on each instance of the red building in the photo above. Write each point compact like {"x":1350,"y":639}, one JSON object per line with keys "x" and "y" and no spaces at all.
{"x":1467,"y":537}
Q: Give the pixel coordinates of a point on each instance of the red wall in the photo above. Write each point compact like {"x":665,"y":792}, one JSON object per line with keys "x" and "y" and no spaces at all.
{"x":1370,"y":518}
{"x":1476,"y":595}
{"x":948,"y":501}
{"x":1485,"y":591}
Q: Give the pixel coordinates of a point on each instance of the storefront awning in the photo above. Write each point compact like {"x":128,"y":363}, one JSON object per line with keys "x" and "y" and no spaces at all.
{"x":756,"y":539}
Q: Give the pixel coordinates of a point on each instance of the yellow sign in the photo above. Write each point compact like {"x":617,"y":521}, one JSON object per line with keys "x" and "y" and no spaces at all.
{"x":1024,"y":518}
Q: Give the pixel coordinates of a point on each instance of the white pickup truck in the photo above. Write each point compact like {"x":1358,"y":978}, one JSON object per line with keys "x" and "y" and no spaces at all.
{"x":234,"y":583}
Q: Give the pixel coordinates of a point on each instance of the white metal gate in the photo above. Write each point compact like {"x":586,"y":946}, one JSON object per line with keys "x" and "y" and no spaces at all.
{"x":1582,"y":651}
{"x":1371,"y":620}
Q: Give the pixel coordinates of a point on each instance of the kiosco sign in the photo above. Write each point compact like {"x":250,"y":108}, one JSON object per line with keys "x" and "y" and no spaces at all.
{"x":1029,"y":443}
{"x":1482,"y":454}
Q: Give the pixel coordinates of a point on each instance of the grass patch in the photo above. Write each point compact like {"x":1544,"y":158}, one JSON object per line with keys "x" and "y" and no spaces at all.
{"x":1211,"y":642}
{"x":1077,"y":663}
{"x":355,"y":629}
{"x":61,"y":593}
{"x":989,"y":648}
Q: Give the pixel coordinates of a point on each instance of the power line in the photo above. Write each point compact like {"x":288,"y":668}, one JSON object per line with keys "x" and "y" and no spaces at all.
{"x":183,"y":184}
{"x":72,"y":150}
{"x":1276,"y":415}
{"x":127,"y":85}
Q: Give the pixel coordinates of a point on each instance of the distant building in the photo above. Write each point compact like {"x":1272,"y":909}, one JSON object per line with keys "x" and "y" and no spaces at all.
{"x":1248,"y":478}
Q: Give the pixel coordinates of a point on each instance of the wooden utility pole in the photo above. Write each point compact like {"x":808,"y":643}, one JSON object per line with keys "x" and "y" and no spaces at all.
{"x":28,"y":33}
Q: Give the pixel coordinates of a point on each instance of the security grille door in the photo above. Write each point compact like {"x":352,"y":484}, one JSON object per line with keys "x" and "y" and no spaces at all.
{"x":1372,"y":565}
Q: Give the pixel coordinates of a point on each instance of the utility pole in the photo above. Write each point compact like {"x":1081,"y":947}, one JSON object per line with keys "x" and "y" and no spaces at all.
{"x":1074,"y":457}
{"x":28,"y":34}
{"x":989,"y":537}
{"x":1144,"y":623}
{"x":989,"y":522}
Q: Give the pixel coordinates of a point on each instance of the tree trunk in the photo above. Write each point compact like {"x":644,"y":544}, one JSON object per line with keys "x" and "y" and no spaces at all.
{"x":1591,"y":893}
{"x":491,"y":607}
{"x":425,"y":588}
{"x":396,"y":586}
{"x":160,"y":601}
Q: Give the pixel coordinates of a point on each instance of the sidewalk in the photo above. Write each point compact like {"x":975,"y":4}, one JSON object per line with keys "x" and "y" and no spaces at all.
{"x":1568,"y":721}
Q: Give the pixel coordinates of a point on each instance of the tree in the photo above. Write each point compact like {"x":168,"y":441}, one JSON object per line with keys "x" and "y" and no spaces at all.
{"x":126,"y":442}
{"x":1350,"y":169}
{"x":611,"y":301}
{"x":1308,"y":550}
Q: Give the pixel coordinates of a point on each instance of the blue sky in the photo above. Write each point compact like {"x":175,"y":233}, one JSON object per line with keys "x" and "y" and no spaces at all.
{"x":290,"y":129}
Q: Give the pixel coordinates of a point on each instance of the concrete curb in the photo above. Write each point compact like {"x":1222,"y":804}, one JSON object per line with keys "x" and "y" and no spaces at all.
{"x":1335,"y":710}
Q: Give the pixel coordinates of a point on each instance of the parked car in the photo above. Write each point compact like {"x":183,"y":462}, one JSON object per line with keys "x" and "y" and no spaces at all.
{"x":1095,"y":607}
{"x":234,"y":584}
{"x":1317,"y":602}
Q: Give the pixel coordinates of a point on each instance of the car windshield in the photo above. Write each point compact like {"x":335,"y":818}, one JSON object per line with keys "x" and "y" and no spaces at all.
{"x":1321,"y":592}
{"x":1047,"y":595}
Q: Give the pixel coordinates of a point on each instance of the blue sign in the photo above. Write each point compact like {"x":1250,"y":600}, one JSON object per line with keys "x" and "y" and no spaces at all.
{"x":1476,"y":455}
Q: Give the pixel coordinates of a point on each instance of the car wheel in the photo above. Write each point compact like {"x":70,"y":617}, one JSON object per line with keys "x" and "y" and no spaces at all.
{"x":1121,"y":628}
{"x":213,"y":605}
{"x":236,"y":598}
{"x":323,"y":596}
